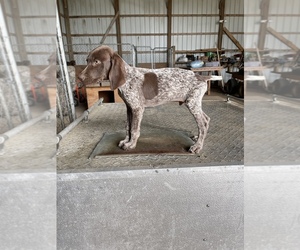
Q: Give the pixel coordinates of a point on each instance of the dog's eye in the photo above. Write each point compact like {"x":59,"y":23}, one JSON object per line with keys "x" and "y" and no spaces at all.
{"x":97,"y":62}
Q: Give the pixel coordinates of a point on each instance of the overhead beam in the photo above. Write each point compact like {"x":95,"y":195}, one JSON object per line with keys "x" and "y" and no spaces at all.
{"x":282,"y":39}
{"x":221,"y":23}
{"x":264,"y":14}
{"x":232,"y":38}
{"x":109,"y":28}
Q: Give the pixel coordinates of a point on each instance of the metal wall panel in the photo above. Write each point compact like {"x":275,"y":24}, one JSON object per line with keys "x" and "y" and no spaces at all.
{"x":283,"y":18}
{"x":90,"y":25}
{"x":195,"y":24}
{"x":234,"y":22}
{"x":93,"y":40}
{"x":251,"y":23}
{"x":38,"y":26}
{"x":142,"y":7}
{"x":195,"y":7}
{"x":182,"y":22}
{"x":90,"y":7}
{"x":149,"y":25}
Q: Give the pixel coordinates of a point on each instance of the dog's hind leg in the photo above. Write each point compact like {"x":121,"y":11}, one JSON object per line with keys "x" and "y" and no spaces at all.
{"x":194,"y":105}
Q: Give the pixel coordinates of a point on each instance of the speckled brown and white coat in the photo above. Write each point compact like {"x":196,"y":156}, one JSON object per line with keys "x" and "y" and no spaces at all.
{"x":140,"y":88}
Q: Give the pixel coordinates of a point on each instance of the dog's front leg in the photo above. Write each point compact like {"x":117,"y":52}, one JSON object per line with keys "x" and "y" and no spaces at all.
{"x":135,"y":125}
{"x":128,"y":127}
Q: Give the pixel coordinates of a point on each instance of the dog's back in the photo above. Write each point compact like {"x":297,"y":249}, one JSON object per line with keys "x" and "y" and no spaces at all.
{"x":166,"y":84}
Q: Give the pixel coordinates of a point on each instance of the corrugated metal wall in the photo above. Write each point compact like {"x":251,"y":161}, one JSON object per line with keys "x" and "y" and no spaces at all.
{"x":234,"y":16}
{"x":283,"y":18}
{"x":144,"y":23}
{"x":188,"y":19}
{"x":144,"y":29}
{"x":89,"y":19}
{"x":37,"y":27}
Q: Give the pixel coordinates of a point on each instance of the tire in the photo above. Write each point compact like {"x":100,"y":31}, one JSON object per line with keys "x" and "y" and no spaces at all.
{"x":232,"y":86}
{"x":30,"y":101}
{"x":76,"y":102}
{"x":280,"y":86}
{"x":241,"y":90}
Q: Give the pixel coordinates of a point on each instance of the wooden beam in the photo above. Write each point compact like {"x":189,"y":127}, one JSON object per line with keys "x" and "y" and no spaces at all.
{"x":264,"y":14}
{"x":221,"y":23}
{"x":68,"y":30}
{"x":109,"y":28}
{"x":232,"y":38}
{"x":118,"y":27}
{"x":18,"y":30}
{"x":169,"y":28}
{"x":282,"y":39}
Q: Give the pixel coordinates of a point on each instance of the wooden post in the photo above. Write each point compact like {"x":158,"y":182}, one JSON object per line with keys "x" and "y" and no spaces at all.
{"x":68,"y":29}
{"x":169,"y":28}
{"x":118,"y":26}
{"x":169,"y":32}
{"x":18,"y":30}
{"x":221,"y":23}
{"x":264,"y":13}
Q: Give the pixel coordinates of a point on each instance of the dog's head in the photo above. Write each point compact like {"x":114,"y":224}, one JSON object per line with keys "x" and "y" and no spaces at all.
{"x":103,"y":64}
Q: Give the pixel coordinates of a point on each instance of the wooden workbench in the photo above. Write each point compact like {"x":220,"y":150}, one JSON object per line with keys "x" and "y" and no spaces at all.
{"x":210,"y":70}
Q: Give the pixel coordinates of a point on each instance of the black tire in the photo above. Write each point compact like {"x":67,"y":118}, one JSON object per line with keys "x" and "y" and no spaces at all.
{"x":232,"y":86}
{"x":76,"y":102}
{"x":241,"y":90}
{"x":279,"y":86}
{"x":30,"y":101}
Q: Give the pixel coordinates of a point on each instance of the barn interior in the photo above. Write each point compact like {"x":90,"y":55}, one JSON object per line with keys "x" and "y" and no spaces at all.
{"x":66,"y":183}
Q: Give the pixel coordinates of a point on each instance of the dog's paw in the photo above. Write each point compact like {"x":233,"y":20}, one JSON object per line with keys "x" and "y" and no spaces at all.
{"x":194,"y":138}
{"x":128,"y":146}
{"x":121,"y":143}
{"x":195,"y":149}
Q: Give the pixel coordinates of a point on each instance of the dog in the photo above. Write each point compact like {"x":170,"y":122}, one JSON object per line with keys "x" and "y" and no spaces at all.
{"x":140,"y":88}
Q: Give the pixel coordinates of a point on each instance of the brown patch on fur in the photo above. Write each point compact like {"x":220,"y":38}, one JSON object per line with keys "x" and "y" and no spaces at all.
{"x":117,"y":72}
{"x":150,"y":85}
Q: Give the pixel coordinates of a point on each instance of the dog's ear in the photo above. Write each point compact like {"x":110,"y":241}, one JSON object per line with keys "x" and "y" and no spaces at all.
{"x":117,"y":72}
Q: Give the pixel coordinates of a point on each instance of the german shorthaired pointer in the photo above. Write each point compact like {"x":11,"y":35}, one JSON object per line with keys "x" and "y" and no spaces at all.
{"x":140,"y":88}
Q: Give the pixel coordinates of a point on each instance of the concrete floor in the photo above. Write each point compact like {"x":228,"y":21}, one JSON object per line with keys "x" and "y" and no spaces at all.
{"x":158,"y":201}
{"x":270,"y":128}
{"x":223,"y":145}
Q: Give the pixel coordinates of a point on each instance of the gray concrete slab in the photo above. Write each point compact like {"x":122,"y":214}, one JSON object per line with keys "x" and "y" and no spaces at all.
{"x":178,"y":208}
{"x":28,"y":211}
